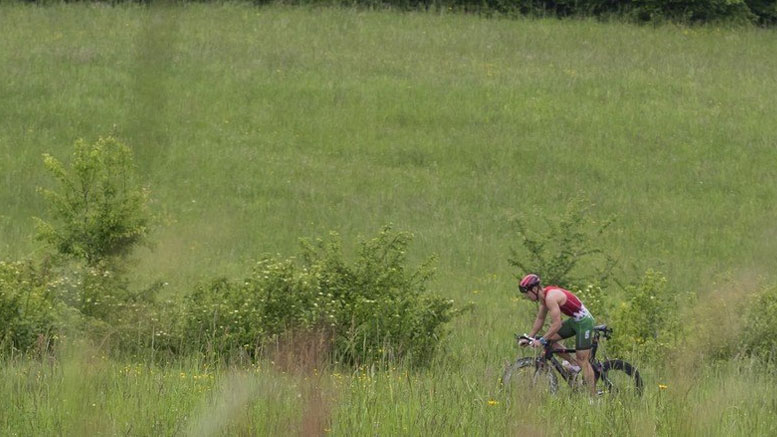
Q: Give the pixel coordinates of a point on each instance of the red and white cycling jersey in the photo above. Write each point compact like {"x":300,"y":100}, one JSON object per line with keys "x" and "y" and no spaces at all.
{"x":573,"y":307}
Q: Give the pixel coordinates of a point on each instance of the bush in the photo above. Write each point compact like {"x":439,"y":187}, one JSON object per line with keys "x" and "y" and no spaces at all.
{"x":760,"y":325}
{"x":567,"y":251}
{"x":27,"y":312}
{"x":96,"y":291}
{"x":374,"y":308}
{"x":596,"y":301}
{"x":40,"y":305}
{"x":648,"y":321}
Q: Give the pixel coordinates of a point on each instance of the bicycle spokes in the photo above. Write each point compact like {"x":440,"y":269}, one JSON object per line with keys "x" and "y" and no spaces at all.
{"x":530,"y":376}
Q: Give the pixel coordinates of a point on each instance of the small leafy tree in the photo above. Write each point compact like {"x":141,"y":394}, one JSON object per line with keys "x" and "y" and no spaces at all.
{"x":99,"y":213}
{"x":567,"y":251}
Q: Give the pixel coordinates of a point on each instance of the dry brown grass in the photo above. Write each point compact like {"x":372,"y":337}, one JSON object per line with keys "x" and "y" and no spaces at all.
{"x":301,"y":352}
{"x":304,"y":354}
{"x":295,"y":376}
{"x":716,"y":321}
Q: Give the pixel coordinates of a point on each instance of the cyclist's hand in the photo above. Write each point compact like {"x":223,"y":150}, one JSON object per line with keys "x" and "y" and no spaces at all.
{"x":535,"y":343}
{"x":523,"y":340}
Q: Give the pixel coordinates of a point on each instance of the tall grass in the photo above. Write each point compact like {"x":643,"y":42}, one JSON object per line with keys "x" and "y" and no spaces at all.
{"x":92,"y":394}
{"x":256,"y":126}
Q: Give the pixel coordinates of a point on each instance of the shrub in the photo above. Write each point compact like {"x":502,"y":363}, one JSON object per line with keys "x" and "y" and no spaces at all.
{"x":224,"y":316}
{"x":374,"y":308}
{"x":648,"y":321}
{"x":100,"y":211}
{"x":97,"y":291}
{"x":596,"y":300}
{"x":39,"y":306}
{"x":760,"y":325}
{"x":567,"y":252}
{"x":27,"y":312}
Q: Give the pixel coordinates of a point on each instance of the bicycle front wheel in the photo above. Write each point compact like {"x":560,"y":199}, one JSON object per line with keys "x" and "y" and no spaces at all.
{"x":530,"y":375}
{"x":618,"y":377}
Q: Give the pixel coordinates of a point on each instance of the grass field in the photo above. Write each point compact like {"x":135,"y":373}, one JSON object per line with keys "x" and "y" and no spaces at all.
{"x":257,"y":126}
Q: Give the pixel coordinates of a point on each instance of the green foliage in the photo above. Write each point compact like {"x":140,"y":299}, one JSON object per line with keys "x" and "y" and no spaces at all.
{"x":100,"y":210}
{"x":647,"y":322}
{"x":39,"y":305}
{"x":27,"y":312}
{"x":568,"y":252}
{"x":691,"y":10}
{"x":99,"y":213}
{"x":596,"y":301}
{"x":374,"y":308}
{"x":684,"y":11}
{"x":99,"y":292}
{"x":760,"y":325}
{"x":765,"y":10}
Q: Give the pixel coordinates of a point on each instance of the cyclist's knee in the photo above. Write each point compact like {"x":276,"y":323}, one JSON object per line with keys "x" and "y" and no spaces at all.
{"x":583,"y":354}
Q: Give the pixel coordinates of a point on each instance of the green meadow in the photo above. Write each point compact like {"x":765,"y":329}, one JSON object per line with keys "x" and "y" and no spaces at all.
{"x":257,"y":126}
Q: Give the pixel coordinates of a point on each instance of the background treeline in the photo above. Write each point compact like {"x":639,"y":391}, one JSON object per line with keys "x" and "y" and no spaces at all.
{"x":687,"y":11}
{"x":762,"y":12}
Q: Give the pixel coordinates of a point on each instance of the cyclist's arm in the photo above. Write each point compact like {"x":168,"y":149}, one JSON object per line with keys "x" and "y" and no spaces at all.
{"x":539,"y":321}
{"x":551,"y":302}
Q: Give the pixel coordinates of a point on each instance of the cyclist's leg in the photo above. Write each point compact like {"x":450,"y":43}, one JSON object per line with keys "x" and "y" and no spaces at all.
{"x":584,"y":330}
{"x":555,"y":339}
{"x":583,"y":358}
{"x":567,"y":330}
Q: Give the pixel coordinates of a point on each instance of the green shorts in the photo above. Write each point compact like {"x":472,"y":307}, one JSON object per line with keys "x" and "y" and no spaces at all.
{"x":583,"y":330}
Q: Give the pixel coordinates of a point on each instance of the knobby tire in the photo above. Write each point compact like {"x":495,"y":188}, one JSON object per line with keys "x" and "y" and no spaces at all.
{"x":623,"y":372}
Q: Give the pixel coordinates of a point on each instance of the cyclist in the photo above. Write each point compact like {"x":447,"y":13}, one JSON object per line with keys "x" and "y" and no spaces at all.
{"x":555,"y":300}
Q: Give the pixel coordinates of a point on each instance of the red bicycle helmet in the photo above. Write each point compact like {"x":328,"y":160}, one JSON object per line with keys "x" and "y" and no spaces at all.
{"x":528,"y":282}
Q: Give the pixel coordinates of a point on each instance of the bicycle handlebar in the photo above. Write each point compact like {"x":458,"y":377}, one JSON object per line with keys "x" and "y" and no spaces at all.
{"x":529,"y":339}
{"x":603,"y":329}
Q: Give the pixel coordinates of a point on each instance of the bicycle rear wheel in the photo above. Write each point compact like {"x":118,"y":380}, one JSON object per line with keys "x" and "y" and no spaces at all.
{"x":619,"y":378}
{"x":530,"y":374}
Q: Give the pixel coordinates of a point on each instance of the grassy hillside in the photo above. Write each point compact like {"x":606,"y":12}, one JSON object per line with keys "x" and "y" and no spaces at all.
{"x":257,"y":126}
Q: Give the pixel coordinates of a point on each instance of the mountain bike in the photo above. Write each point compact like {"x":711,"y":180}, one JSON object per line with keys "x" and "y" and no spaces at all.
{"x":613,"y":376}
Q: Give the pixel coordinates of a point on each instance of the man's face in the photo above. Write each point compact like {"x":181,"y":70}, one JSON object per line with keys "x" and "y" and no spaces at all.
{"x":532,"y":294}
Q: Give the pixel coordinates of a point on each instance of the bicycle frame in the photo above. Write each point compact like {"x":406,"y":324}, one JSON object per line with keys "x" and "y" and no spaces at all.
{"x":549,"y":356}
